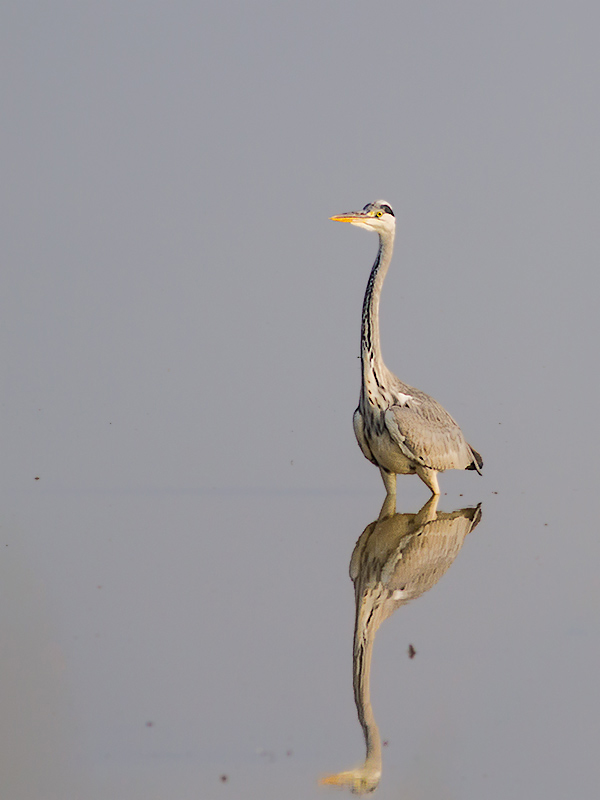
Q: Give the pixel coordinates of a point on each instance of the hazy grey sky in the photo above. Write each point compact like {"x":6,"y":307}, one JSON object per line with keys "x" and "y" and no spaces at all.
{"x":169,"y":173}
{"x":179,"y":317}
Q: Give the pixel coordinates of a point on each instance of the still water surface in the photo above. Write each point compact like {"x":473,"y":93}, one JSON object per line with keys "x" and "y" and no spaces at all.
{"x":188,"y":644}
{"x":179,"y":370}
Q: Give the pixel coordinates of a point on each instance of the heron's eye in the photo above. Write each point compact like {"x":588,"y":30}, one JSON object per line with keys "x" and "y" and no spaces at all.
{"x":379,"y":214}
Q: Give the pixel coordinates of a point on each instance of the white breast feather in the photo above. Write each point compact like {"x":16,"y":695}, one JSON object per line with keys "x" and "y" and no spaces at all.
{"x":404,"y":399}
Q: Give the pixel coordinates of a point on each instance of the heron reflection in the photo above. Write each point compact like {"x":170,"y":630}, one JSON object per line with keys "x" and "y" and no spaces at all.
{"x":397,"y":558}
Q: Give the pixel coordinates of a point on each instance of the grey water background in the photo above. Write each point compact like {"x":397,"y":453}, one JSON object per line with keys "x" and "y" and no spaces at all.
{"x":181,"y":486}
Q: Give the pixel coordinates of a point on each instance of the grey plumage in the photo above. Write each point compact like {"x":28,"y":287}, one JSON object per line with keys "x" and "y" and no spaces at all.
{"x":399,"y":428}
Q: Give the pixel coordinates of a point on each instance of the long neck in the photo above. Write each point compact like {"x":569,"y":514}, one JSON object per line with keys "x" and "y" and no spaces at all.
{"x":370,"y":352}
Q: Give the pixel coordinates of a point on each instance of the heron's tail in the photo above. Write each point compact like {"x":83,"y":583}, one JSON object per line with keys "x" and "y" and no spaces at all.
{"x":477,"y":462}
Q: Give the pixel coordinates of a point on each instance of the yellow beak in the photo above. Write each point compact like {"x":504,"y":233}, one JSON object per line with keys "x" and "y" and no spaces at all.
{"x":350,"y":217}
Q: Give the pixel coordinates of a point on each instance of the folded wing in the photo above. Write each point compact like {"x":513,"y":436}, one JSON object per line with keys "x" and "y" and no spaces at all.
{"x":423,"y":428}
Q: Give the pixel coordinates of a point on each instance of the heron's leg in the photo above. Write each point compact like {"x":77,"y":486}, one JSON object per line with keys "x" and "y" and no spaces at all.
{"x":388,"y":509}
{"x":389,"y":481}
{"x":429,"y":478}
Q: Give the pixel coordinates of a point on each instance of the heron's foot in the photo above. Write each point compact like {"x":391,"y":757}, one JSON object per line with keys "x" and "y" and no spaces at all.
{"x":388,"y":509}
{"x":389,"y":481}
{"x":429,"y":511}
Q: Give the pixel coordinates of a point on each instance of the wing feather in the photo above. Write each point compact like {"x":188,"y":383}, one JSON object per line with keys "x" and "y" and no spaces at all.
{"x":424,"y":428}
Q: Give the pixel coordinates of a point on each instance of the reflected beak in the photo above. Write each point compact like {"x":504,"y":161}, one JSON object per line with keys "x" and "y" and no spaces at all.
{"x":342,"y":778}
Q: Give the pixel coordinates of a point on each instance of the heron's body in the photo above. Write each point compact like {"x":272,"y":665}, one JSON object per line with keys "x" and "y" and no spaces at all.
{"x":399,"y":428}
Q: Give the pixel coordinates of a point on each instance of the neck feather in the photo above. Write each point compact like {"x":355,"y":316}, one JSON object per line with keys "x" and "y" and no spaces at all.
{"x":371,"y":358}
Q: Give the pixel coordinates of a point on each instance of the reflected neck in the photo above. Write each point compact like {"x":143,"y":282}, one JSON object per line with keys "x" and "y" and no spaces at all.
{"x":364,"y":638}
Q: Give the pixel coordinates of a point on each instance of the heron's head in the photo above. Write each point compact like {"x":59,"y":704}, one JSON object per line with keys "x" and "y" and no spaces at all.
{"x":377,"y":216}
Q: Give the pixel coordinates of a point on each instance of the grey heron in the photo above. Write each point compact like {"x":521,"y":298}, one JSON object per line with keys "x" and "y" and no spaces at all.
{"x":399,"y":428}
